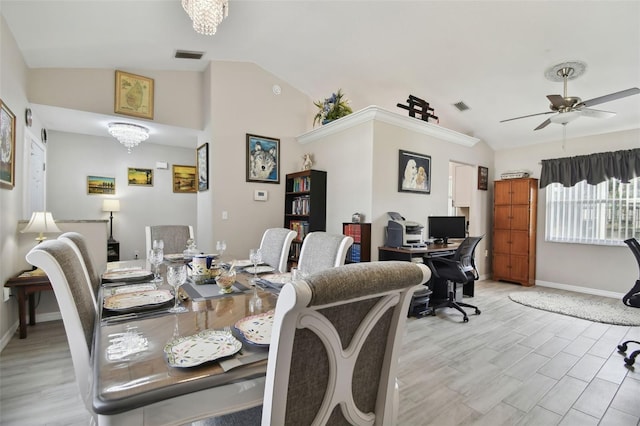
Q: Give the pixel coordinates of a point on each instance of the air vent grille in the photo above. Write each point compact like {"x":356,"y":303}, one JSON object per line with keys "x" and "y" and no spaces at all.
{"x":461,"y":106}
{"x":186,"y":54}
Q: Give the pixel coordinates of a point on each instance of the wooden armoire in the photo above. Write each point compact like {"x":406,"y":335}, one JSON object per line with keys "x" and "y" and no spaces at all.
{"x":514,"y":230}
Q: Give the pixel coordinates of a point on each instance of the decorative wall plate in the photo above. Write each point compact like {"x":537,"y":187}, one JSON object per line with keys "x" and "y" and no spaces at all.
{"x":256,"y":329}
{"x":208,"y":345}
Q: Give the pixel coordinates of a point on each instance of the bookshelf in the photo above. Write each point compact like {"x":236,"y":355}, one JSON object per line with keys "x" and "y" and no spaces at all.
{"x":360,"y":251}
{"x":305,"y":206}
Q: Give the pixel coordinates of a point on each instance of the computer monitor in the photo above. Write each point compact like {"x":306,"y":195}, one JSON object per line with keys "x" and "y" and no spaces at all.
{"x":445,"y":227}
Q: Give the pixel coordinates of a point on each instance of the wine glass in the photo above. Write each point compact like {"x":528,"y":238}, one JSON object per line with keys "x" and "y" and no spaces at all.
{"x":156,"y":256}
{"x":176,"y":276}
{"x":221,"y":246}
{"x":255,"y":257}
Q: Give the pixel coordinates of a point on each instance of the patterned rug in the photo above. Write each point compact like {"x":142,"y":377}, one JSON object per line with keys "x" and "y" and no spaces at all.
{"x":585,"y":306}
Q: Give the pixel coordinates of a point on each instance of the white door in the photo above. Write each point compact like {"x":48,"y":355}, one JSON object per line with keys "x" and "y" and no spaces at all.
{"x":36,"y":187}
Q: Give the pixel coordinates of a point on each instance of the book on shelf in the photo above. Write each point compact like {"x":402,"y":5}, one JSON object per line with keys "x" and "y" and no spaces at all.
{"x":301,"y":227}
{"x":354,"y":231}
{"x":301,"y":205}
{"x":302,"y":184}
{"x":355,"y":254}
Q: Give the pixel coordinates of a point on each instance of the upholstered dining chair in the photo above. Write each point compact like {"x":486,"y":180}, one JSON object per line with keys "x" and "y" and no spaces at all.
{"x":347,"y":323}
{"x":174,"y":236}
{"x":78,"y":241}
{"x":66,"y":273}
{"x":321,"y":250}
{"x":275,"y":246}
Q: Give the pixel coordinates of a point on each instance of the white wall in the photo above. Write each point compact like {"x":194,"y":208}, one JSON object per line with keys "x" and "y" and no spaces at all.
{"x":588,"y":268}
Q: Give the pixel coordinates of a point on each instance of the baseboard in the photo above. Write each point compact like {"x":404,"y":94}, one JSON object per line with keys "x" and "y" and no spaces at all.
{"x":578,"y":289}
{"x":8,"y":335}
{"x":6,"y":338}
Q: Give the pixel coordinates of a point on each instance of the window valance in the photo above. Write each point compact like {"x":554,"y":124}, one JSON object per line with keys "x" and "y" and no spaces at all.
{"x":594,"y":168}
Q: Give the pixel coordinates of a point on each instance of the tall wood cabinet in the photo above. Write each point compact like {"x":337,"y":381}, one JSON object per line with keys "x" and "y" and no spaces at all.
{"x":305,"y":206}
{"x":514,"y":230}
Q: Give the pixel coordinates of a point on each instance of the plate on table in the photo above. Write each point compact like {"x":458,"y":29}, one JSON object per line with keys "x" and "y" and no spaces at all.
{"x":276,"y":280}
{"x":147,"y":299}
{"x":260,"y":269}
{"x":256,"y":329}
{"x":175,"y":257}
{"x":127,"y":274}
{"x":243,"y":263}
{"x":208,"y":345}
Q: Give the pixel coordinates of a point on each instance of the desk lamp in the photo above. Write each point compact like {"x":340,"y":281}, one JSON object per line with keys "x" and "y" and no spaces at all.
{"x":111,"y":205}
{"x":41,"y":223}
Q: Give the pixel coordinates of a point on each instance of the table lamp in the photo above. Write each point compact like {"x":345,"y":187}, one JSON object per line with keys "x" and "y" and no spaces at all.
{"x":111,"y":205}
{"x":41,"y":223}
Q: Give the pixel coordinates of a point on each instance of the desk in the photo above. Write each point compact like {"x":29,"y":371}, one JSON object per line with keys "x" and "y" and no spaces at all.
{"x":27,"y":287}
{"x":145,"y":390}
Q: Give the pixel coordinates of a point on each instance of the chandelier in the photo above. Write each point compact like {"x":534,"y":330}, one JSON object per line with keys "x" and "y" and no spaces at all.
{"x":206,"y":14}
{"x":128,"y":134}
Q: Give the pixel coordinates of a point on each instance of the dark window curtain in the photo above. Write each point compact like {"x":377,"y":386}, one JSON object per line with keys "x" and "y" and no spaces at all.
{"x":594,"y":168}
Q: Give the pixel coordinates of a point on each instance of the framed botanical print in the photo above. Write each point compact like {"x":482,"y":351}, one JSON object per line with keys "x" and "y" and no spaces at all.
{"x":202,"y":162}
{"x":483,"y":178}
{"x":139,"y":177}
{"x":134,"y":95}
{"x":414,"y":172}
{"x":184,"y":178}
{"x":263,"y":159}
{"x":7,"y":147}
{"x":101,"y":185}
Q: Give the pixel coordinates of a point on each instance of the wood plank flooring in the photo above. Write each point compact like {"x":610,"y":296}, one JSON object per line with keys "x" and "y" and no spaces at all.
{"x":511,"y":365}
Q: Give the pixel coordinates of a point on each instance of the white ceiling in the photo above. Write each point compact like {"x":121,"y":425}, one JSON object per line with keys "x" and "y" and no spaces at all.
{"x":491,"y":55}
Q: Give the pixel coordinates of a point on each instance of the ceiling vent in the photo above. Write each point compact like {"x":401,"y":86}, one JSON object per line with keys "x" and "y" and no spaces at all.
{"x":186,"y":54}
{"x":461,"y":106}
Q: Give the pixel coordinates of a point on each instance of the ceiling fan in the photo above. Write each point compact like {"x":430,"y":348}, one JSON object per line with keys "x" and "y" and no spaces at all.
{"x":568,"y":108}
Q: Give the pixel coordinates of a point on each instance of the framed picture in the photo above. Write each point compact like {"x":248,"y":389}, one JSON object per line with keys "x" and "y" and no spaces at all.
{"x":184,"y":178}
{"x":7,"y":147}
{"x":101,"y":185}
{"x":483,"y":178}
{"x":134,"y":95}
{"x":140,"y":177}
{"x":202,"y":162}
{"x":414,"y":172}
{"x":263,"y":159}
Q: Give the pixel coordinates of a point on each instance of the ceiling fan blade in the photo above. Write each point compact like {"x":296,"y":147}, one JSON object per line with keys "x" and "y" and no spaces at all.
{"x":557,"y":101}
{"x":530,"y":115}
{"x":544,"y":124}
{"x":610,"y":97}
{"x":596,"y":113}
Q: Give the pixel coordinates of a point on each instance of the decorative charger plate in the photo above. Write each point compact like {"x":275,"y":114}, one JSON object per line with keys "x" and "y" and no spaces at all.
{"x":137,"y":299}
{"x":243,"y":263}
{"x":281,"y":279}
{"x":208,"y":345}
{"x":256,"y":329}
{"x":127,"y":274}
{"x":261,"y":269}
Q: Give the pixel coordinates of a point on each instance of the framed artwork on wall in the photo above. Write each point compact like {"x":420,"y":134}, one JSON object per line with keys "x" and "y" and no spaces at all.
{"x":483,"y":178}
{"x":414,"y":172}
{"x":134,"y":95}
{"x":263,"y":159}
{"x":202,"y":162}
{"x":184,"y":178}
{"x":101,"y":185}
{"x":140,"y":177}
{"x":7,"y":147}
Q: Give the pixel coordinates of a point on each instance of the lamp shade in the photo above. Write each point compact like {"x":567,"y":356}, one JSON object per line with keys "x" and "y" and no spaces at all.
{"x":111,"y":205}
{"x":41,"y":222}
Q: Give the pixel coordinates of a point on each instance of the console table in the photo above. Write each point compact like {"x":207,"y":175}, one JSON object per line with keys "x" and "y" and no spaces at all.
{"x":27,"y":286}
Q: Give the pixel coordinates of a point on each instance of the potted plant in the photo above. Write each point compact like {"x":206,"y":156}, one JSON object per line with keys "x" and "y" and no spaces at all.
{"x":332,"y":108}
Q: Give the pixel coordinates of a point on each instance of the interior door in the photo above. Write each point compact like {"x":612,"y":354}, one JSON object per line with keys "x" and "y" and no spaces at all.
{"x":35,"y":198}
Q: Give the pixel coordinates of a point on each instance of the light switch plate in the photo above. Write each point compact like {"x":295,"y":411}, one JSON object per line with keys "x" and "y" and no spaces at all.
{"x":161,"y":165}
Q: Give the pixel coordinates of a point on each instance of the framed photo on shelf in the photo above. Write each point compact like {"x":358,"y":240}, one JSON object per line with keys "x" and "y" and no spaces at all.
{"x":140,"y":177}
{"x":101,"y":185}
{"x":134,"y":95}
{"x":483,"y":178}
{"x":184,"y":178}
{"x":263,"y":159}
{"x":202,"y":162}
{"x":7,"y":147}
{"x":414,"y":172}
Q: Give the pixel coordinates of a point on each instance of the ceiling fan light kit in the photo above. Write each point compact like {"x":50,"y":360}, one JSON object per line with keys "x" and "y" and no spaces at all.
{"x":568,"y":108}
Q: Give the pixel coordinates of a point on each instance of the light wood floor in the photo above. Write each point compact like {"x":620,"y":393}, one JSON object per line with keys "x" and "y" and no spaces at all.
{"x":511,"y":365}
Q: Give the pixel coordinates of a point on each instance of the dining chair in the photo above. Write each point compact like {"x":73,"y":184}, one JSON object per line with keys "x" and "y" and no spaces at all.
{"x":275,"y":246}
{"x":79,"y":242}
{"x":174,"y":236}
{"x":347,"y":323}
{"x":67,"y":275}
{"x":321,"y":250}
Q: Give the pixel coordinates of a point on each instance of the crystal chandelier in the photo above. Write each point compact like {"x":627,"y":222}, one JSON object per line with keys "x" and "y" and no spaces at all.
{"x":128,"y":134}
{"x":206,"y":14}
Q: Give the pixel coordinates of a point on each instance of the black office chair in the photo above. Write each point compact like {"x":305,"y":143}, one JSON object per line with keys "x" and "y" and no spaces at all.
{"x":460,"y":269}
{"x":632,"y":298}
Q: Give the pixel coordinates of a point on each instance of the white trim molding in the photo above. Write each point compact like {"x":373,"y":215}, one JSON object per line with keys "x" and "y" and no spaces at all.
{"x":578,"y":289}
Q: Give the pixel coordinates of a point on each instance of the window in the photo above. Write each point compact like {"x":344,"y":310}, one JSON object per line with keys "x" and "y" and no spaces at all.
{"x":607,"y":213}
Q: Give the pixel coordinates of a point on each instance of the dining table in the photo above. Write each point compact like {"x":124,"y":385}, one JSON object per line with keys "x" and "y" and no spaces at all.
{"x":135,"y":379}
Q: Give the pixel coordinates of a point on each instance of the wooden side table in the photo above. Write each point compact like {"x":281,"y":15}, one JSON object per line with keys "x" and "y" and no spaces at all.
{"x":27,"y":287}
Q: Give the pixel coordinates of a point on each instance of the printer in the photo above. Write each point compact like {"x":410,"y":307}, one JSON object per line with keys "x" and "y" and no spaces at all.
{"x":403,"y":233}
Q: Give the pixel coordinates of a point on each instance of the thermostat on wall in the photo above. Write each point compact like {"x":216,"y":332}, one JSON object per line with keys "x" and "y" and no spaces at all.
{"x":260,"y":195}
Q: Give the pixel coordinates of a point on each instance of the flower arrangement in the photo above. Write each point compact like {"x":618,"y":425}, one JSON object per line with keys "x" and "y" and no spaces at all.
{"x":332,"y":108}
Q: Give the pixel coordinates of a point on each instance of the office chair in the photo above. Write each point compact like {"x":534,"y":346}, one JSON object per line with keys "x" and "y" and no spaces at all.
{"x":459,"y":270}
{"x":632,"y":298}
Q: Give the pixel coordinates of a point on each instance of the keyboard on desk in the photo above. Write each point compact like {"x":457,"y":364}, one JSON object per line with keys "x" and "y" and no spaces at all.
{"x":441,"y":253}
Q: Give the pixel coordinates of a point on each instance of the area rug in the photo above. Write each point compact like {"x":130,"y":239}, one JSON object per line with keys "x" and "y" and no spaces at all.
{"x":585,"y":306}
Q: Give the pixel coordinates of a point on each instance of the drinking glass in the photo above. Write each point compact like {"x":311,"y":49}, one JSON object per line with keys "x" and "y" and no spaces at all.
{"x":255,"y":257}
{"x":156,"y":256}
{"x":221,"y":246}
{"x":176,"y":276}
